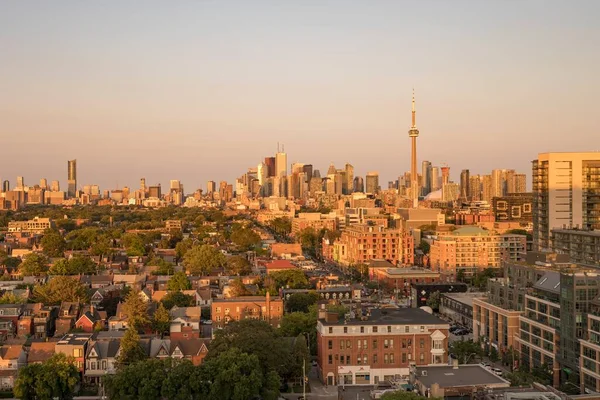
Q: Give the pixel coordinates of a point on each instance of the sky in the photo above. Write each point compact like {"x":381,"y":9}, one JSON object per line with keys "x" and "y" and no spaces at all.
{"x":203,"y":90}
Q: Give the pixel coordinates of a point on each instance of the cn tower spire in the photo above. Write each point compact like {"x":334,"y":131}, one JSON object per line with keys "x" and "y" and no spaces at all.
{"x":413,"y":133}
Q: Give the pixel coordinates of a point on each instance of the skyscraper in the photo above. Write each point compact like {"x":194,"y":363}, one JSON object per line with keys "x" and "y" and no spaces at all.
{"x":5,"y":186}
{"x":520,"y":185}
{"x":308,"y":170}
{"x":20,"y":183}
{"x":349,"y":178}
{"x":566,"y":193}
{"x":55,"y":186}
{"x":435,"y":178}
{"x":372,"y":182}
{"x":359,"y":184}
{"x":464,"y":185}
{"x":475,"y":188}
{"x":426,"y":177}
{"x":445,"y":175}
{"x":270,"y":164}
{"x":72,"y":178}
{"x":143,"y":185}
{"x":44,"y":183}
{"x":413,"y":133}
{"x":280,"y":164}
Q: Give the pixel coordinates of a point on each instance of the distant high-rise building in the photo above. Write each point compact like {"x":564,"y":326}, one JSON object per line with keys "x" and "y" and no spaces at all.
{"x":281,"y":164}
{"x":520,"y":185}
{"x":426,"y":177}
{"x":55,"y":186}
{"x":566,"y":194}
{"x":413,"y":133}
{"x":20,"y":183}
{"x":435,"y":179}
{"x":349,"y":179}
{"x":143,"y":185}
{"x":155,"y":191}
{"x":44,"y":184}
{"x":308,"y":170}
{"x":262,"y":173}
{"x":359,"y":184}
{"x":502,"y":180}
{"x":315,"y":185}
{"x":475,"y":188}
{"x":72,"y":178}
{"x":372,"y":182}
{"x":5,"y":186}
{"x":211,"y":187}
{"x":270,"y":164}
{"x":175,"y":184}
{"x":450,"y":191}
{"x":317,"y":174}
{"x":332,"y":170}
{"x":487,"y":188}
{"x":464,"y":185}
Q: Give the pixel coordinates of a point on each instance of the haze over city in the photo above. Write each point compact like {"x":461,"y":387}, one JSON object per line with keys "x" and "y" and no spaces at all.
{"x":203,"y":90}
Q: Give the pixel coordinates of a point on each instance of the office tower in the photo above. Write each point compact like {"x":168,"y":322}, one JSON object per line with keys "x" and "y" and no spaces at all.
{"x":566,"y":193}
{"x":211,"y":187}
{"x":95,"y":191}
{"x":349,"y":178}
{"x":55,"y":186}
{"x":486,"y":188}
{"x":316,"y":173}
{"x":308,"y":171}
{"x":155,"y":191}
{"x":372,"y":182}
{"x":332,"y":170}
{"x":270,"y":164}
{"x":426,"y":177}
{"x":296,"y":168}
{"x":445,"y":175}
{"x":435,"y":178}
{"x":315,"y":185}
{"x":475,"y":188}
{"x":262,"y":173}
{"x":464,"y":185}
{"x":520,"y":185}
{"x":143,"y":185}
{"x":20,"y":183}
{"x":450,"y":191}
{"x":44,"y":184}
{"x":125,"y":192}
{"x":72,"y":178}
{"x":5,"y":186}
{"x":413,"y":133}
{"x":359,"y":184}
{"x":509,"y":185}
{"x":501,"y":181}
{"x":280,"y":163}
{"x":175,"y":184}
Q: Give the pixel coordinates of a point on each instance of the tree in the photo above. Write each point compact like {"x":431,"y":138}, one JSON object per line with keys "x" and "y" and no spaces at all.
{"x":75,"y":266}
{"x":481,"y":278}
{"x":282,"y":226}
{"x":164,"y":267}
{"x":494,"y":356}
{"x":182,"y":247}
{"x":424,"y":247}
{"x":309,"y":239}
{"x":464,"y":350}
{"x":301,"y":302}
{"x":234,"y":375}
{"x":238,"y":288}
{"x":238,"y":265}
{"x":161,"y":321}
{"x":131,"y":350}
{"x":10,"y":298}
{"x":141,"y":380}
{"x":402,"y":395}
{"x":133,"y":244}
{"x":434,"y":300}
{"x":201,"y":260}
{"x":300,"y":323}
{"x":136,"y":310}
{"x":34,"y":264}
{"x":56,"y":378}
{"x":245,"y":238}
{"x":292,"y":278}
{"x":460,"y":275}
{"x":178,"y":299}
{"x":59,"y":289}
{"x":53,"y":243}
{"x":179,"y":281}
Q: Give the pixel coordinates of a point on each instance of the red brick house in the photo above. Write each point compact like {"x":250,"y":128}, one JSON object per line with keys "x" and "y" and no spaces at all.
{"x":88,"y":320}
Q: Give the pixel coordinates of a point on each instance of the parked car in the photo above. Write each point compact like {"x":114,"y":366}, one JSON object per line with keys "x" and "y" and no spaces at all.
{"x":485,"y":365}
{"x":497,"y":371}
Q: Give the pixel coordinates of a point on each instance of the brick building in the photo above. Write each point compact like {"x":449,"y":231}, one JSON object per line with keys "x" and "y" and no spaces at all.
{"x":266,"y":309}
{"x":371,"y":346}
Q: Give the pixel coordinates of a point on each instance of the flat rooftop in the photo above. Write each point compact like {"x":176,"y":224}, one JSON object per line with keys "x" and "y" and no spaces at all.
{"x":402,"y":316}
{"x":410,"y":271}
{"x":465,"y":298}
{"x":465,"y":375}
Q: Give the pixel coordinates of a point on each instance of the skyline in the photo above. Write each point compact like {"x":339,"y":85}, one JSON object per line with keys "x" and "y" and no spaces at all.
{"x":202,"y":91}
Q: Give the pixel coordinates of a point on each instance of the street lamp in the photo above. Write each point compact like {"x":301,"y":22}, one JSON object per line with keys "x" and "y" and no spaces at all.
{"x":469,"y":357}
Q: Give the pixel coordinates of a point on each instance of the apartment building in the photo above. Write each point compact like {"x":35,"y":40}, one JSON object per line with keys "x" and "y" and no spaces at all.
{"x":582,"y":246}
{"x":369,"y":346}
{"x":36,"y":225}
{"x":359,"y":244}
{"x":401,"y":279}
{"x":589,"y":355}
{"x":514,"y":207}
{"x":316,"y":221}
{"x":264,"y":308}
{"x":495,"y":325}
{"x":472,"y":248}
{"x":566,"y":194}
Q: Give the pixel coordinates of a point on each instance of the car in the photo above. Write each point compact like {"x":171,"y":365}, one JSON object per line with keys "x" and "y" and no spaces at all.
{"x":497,"y":371}
{"x":485,"y":365}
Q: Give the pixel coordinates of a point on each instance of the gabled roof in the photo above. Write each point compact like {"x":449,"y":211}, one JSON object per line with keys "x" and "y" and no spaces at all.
{"x":104,"y":349}
{"x":10,"y":352}
{"x":190,"y":347}
{"x":41,"y":351}
{"x":279,"y":264}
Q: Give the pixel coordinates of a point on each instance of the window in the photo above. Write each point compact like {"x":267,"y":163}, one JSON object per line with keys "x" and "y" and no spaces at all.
{"x":365,"y":359}
{"x":342,"y":344}
{"x":359,"y":344}
{"x":391,"y":343}
{"x":330,"y":359}
{"x":422,"y":328}
{"x":342,"y":358}
{"x":365,"y":344}
{"x":76,"y":352}
{"x":374,"y":358}
{"x":404,"y":343}
{"x":330,"y":330}
{"x":348,"y":344}
{"x":358,"y":360}
{"x":386,"y":344}
{"x":330,"y":344}
{"x":374,"y":329}
{"x":345,"y":329}
{"x":422,"y":357}
{"x":227,"y":311}
{"x":389,"y":329}
{"x":103,"y":364}
{"x":362,"y":329}
{"x":422,"y":343}
{"x":374,"y":343}
{"x":437,"y":344}
{"x":406,"y":329}
{"x":403,"y":357}
{"x":391,"y":358}
{"x":385,"y":358}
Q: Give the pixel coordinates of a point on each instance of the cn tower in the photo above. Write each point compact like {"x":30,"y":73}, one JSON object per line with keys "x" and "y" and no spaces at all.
{"x":413,"y":133}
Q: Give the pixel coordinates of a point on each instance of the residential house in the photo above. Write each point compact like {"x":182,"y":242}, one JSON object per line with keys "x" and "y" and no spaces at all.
{"x":97,"y":281}
{"x":12,"y":357}
{"x":40,"y":352}
{"x":25,"y":324}
{"x":134,"y":281}
{"x":101,"y":359}
{"x":9,"y":319}
{"x":68,"y":313}
{"x":118,"y":322}
{"x":194,"y":350}
{"x":97,"y":296}
{"x":74,"y":345}
{"x":185,"y":322}
{"x":91,"y":319}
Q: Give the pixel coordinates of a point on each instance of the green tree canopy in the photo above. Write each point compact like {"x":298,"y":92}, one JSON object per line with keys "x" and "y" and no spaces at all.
{"x":53,"y":243}
{"x":59,"y":289}
{"x":301,"y":302}
{"x":134,"y":244}
{"x":434,"y":300}
{"x":161,"y":320}
{"x":292,"y":278}
{"x":179,"y":281}
{"x":34,"y":264}
{"x":178,"y":299}
{"x":136,"y":310}
{"x":182,"y":247}
{"x":202,"y":260}
{"x":245,"y":238}
{"x":131,"y":350}
{"x":75,"y":266}
{"x":56,"y":378}
{"x":238,"y":265}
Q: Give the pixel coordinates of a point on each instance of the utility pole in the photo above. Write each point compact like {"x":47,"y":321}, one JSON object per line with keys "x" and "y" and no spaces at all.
{"x":304,"y":380}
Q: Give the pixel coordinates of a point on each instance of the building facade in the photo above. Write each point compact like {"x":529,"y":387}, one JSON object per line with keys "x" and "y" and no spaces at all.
{"x":582,"y":246}
{"x":266,"y":309}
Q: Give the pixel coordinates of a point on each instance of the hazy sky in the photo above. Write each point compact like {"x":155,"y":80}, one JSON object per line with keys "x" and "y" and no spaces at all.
{"x":200,"y":90}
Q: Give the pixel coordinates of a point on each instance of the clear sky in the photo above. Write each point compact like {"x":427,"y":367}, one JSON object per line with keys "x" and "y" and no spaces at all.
{"x":202,"y":90}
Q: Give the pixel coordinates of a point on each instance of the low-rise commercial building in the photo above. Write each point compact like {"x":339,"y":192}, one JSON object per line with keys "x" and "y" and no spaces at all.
{"x":265,"y":309}
{"x":458,"y":307}
{"x":495,"y":325}
{"x":401,"y":279}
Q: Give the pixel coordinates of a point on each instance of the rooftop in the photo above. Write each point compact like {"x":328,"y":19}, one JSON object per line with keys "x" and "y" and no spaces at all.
{"x":550,"y":282}
{"x":465,"y":375}
{"x":245,"y":299}
{"x":410,"y":271}
{"x":402,"y":316}
{"x":465,"y":298}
